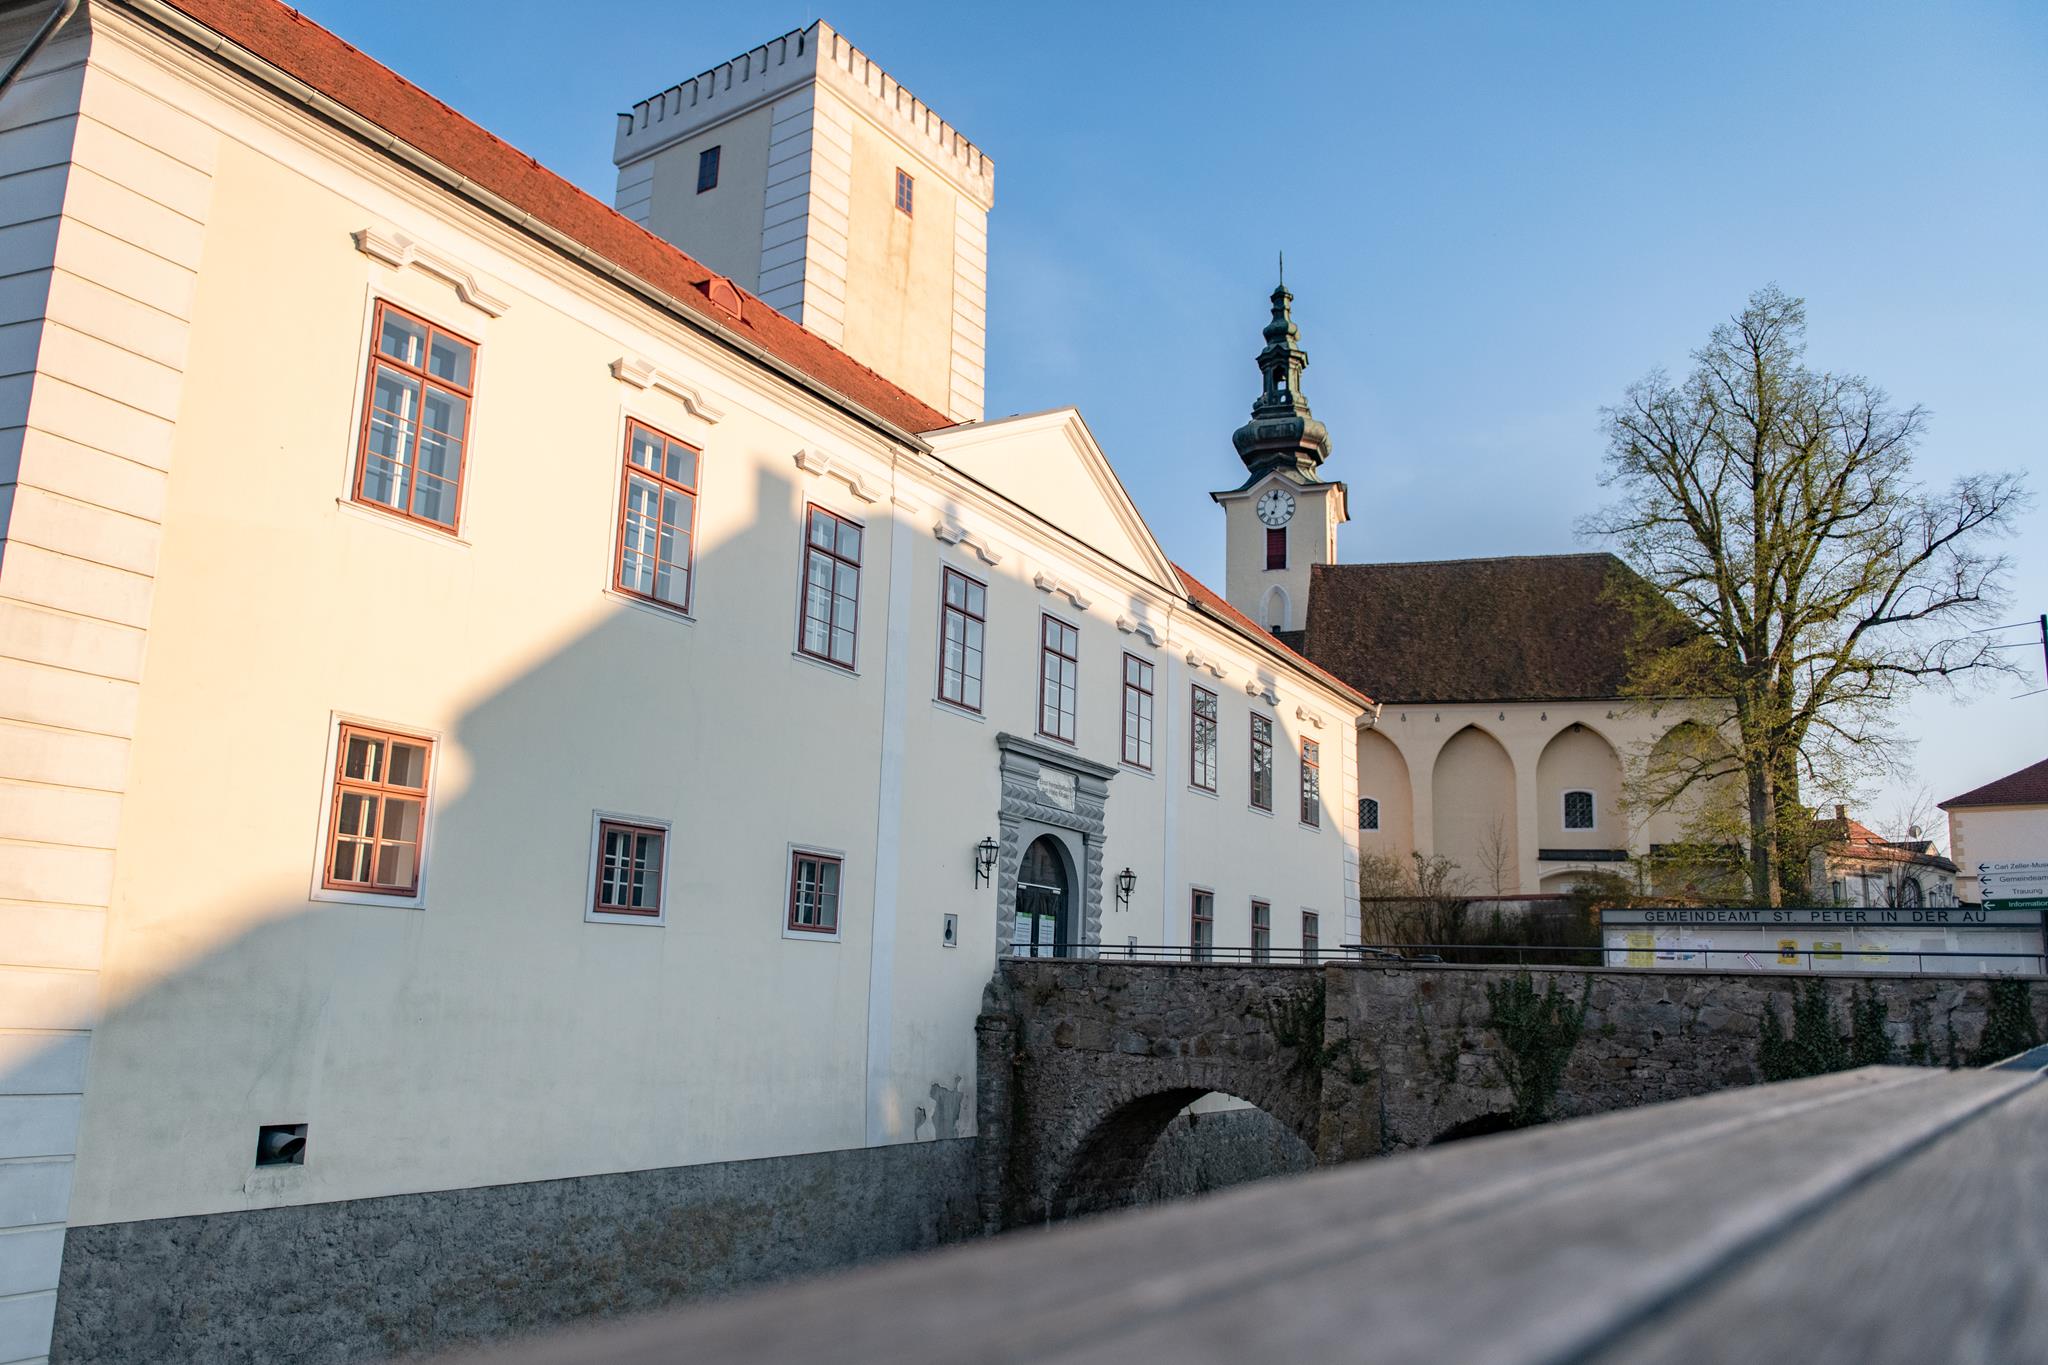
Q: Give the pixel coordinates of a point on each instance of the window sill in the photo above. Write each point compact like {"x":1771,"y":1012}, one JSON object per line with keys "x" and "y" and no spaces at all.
{"x":601,"y":917}
{"x":329,"y":896}
{"x":651,"y":608}
{"x":809,"y":935}
{"x":1255,"y":810}
{"x":944,"y":707}
{"x":400,"y":523}
{"x":814,"y":661}
{"x":1135,"y":771}
{"x":1205,"y":792}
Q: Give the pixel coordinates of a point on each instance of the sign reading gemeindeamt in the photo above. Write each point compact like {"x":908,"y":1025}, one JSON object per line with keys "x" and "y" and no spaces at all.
{"x":2013,"y":886}
{"x":1831,"y":916}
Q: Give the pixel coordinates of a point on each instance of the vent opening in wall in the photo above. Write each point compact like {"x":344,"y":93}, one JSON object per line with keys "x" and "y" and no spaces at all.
{"x":281,"y":1144}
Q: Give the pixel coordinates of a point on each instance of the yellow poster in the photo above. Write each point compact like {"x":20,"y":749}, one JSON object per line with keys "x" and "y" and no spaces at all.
{"x":1874,"y":952}
{"x":1788,"y":952}
{"x":1827,"y":952}
{"x":1641,"y":948}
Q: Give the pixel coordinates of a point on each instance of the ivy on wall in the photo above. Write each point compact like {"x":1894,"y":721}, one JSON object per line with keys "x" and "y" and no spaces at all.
{"x":1816,"y":1046}
{"x":1538,"y":1034}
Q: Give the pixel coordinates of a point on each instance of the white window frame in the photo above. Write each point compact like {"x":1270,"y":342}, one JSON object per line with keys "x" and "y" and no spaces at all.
{"x":1564,"y":802}
{"x":598,"y":820}
{"x":790,"y":853}
{"x":318,"y":890}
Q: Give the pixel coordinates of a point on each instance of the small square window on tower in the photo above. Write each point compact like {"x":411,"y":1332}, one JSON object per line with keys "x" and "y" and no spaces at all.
{"x":905,"y":187}
{"x":707,"y":169}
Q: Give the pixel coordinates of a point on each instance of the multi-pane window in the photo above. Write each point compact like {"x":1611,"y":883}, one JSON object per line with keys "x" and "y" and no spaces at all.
{"x":707,"y":169}
{"x":1311,"y":782}
{"x":1262,"y":761}
{"x":629,"y":866}
{"x":379,"y":812}
{"x":963,"y":616}
{"x":1137,"y":712}
{"x":1202,"y":740}
{"x":415,"y":419}
{"x":1368,"y":812}
{"x":814,"y":893}
{"x":1202,"y":927}
{"x":1262,"y":932}
{"x":1311,"y":937}
{"x":1276,"y":547}
{"x":1058,"y":676}
{"x":905,"y":190}
{"x":1578,"y":810}
{"x":831,"y":587}
{"x":657,"y":517}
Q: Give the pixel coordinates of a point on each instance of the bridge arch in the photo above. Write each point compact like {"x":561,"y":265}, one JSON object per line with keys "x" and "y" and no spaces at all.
{"x":1098,"y":1160}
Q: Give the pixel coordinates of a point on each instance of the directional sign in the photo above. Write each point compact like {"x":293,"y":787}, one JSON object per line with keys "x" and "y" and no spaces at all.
{"x":2013,"y":885}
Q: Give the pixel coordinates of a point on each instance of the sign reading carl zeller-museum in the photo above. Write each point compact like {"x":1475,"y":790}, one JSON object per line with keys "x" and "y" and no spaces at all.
{"x":1789,"y":916}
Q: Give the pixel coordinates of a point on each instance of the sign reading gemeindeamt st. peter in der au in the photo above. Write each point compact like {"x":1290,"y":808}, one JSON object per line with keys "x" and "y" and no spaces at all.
{"x":2013,"y":886}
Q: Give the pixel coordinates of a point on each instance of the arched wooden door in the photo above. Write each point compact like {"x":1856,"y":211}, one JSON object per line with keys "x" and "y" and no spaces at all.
{"x":1044,"y":902}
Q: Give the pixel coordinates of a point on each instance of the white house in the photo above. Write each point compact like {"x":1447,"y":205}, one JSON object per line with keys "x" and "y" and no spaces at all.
{"x":2003,"y":821}
{"x":500,"y":725}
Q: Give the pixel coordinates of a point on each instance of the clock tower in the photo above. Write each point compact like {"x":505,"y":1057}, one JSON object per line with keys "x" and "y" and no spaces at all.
{"x":1283,"y":518}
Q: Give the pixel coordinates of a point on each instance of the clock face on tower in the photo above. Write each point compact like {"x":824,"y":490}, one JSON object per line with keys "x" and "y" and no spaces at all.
{"x":1276,"y":507}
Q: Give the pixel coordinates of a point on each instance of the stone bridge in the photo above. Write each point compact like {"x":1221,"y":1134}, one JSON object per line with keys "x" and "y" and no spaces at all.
{"x":1084,"y":1063}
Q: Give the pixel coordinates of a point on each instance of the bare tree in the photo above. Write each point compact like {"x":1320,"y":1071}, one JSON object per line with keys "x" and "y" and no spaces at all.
{"x":1417,"y":900}
{"x":1497,"y":858}
{"x":1775,"y":509}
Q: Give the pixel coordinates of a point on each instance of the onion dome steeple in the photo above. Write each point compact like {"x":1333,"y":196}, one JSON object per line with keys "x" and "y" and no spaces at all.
{"x":1282,"y":434}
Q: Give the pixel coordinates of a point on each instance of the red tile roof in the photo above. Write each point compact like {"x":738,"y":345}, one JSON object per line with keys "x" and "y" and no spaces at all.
{"x":1850,"y":838}
{"x":2027,"y":787}
{"x":1203,"y":596}
{"x":302,"y":49}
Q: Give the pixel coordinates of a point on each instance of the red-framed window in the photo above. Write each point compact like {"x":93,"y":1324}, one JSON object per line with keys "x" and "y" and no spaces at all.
{"x":831,"y":603}
{"x":963,"y":622}
{"x":1311,"y":783}
{"x":1276,"y":547}
{"x":377,"y":824}
{"x":1137,"y":712}
{"x":1262,"y":931}
{"x":1059,"y":673}
{"x":1262,"y":761}
{"x":657,"y":517}
{"x":1202,"y":926}
{"x":1311,"y":937}
{"x":1202,"y":739}
{"x":414,"y":439}
{"x":813,"y":893}
{"x":630,"y":860}
{"x":906,"y":190}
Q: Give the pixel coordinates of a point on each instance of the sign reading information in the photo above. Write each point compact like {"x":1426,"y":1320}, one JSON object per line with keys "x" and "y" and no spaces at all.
{"x":2013,"y":886}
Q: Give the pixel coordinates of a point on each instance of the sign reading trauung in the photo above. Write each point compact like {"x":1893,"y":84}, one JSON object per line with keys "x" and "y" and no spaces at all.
{"x":1793,"y":916}
{"x":2013,"y":886}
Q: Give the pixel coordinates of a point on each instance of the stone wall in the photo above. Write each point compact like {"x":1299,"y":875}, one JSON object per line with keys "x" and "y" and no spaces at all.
{"x":371,"y":1278}
{"x":1085,"y":1064}
{"x":1213,"y":1150}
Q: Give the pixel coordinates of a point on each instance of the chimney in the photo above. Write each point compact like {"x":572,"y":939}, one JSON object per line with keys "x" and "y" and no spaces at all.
{"x":1841,"y":812}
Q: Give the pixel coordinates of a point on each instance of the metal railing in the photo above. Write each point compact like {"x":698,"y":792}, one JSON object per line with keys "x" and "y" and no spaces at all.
{"x":1848,"y":959}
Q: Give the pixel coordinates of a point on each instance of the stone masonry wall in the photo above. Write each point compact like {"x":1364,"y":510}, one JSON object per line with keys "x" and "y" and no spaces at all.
{"x":368,"y":1279}
{"x":1084,"y":1064}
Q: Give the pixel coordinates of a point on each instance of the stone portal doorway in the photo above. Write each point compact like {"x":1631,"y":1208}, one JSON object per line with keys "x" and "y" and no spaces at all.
{"x":1045,"y":900}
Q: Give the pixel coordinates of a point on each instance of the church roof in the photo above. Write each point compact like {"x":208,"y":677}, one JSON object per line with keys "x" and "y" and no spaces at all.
{"x":308,"y":53}
{"x":2027,"y":787}
{"x":1523,"y":628}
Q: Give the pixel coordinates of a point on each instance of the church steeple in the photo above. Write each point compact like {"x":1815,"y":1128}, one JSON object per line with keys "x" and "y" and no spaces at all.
{"x":1282,"y":434}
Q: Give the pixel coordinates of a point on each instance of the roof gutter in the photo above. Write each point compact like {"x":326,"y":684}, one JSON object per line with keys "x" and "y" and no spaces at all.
{"x":58,"y":15}
{"x":206,"y":40}
{"x":1285,"y":656}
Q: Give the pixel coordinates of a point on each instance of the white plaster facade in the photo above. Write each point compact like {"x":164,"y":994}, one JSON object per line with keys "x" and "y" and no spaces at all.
{"x":2016,"y":833}
{"x":810,"y":136}
{"x":187,"y":345}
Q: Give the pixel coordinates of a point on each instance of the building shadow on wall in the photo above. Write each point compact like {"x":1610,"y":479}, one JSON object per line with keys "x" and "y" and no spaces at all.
{"x":495,"y":1038}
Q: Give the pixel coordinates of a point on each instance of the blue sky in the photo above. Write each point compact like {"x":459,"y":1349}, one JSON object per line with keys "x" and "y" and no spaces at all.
{"x":1495,"y":217}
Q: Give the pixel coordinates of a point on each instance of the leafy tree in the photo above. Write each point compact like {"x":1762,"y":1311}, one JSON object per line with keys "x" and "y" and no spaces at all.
{"x":1775,"y":509}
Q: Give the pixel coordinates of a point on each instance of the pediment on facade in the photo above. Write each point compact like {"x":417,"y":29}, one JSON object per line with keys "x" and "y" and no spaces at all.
{"x":1049,"y":464}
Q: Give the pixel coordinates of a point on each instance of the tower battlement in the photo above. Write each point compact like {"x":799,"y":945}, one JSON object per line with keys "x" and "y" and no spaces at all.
{"x":777,"y":67}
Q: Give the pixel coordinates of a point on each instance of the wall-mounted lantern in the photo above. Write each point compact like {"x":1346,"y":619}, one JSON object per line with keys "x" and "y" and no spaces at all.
{"x":984,"y":860}
{"x":1126,"y":882}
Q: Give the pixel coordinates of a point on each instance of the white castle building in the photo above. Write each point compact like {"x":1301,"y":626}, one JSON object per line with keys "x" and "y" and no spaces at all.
{"x":521,"y":743}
